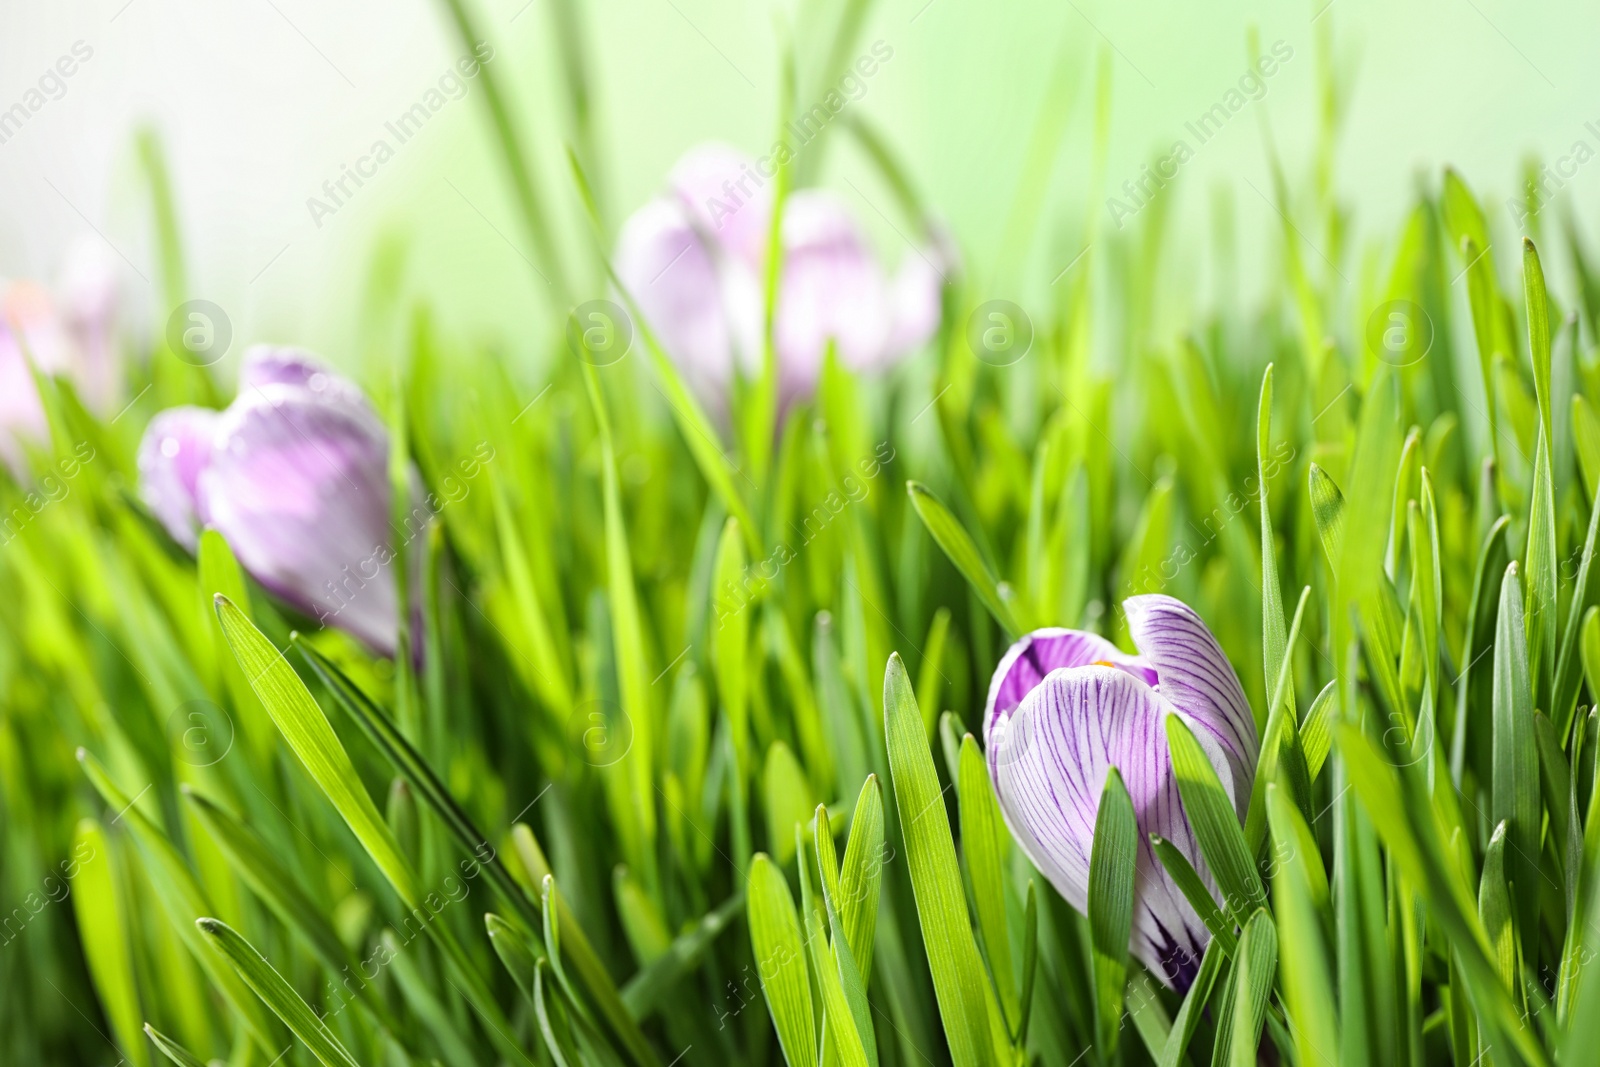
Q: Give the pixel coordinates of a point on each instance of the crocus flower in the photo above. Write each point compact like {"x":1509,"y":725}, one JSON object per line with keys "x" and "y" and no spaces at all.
{"x":69,"y":331}
{"x":694,"y":258}
{"x":1065,"y":706}
{"x":294,"y":474}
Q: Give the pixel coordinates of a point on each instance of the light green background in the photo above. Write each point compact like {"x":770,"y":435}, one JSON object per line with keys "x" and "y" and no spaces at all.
{"x":260,"y":102}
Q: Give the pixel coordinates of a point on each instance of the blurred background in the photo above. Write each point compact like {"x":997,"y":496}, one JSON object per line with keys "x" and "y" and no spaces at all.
{"x":257,"y":103}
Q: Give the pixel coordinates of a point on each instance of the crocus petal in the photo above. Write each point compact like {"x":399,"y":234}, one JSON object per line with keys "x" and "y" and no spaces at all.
{"x":725,"y":197}
{"x":831,"y":289}
{"x":1049,"y":761}
{"x":1197,"y":678}
{"x":29,"y":330}
{"x":298,"y":484}
{"x":914,"y":302}
{"x":264,"y":365}
{"x":1026,"y":663}
{"x":174,"y":451}
{"x":703,"y":307}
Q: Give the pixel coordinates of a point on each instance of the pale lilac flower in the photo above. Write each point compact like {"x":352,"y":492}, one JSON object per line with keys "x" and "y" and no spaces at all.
{"x":70,"y":332}
{"x":694,"y":260}
{"x":294,"y":474}
{"x":29,"y":329}
{"x":176,"y":447}
{"x":1065,"y":706}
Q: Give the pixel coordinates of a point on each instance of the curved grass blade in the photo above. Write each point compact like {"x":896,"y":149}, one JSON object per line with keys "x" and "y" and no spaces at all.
{"x":171,"y":1049}
{"x":1307,"y":976}
{"x":260,"y":869}
{"x":953,"y":538}
{"x":781,"y":962}
{"x":983,"y":844}
{"x":1111,"y":874}
{"x":645,"y":991}
{"x":862,"y":873}
{"x":1216,"y":825}
{"x":304,"y":726}
{"x":405,"y":759}
{"x":183,"y":900}
{"x":1191,"y":1012}
{"x":1195,"y":892}
{"x":1515,"y":796}
{"x":575,"y":943}
{"x":276,"y":994}
{"x":97,"y":904}
{"x":936,"y":885}
{"x":1253,"y":974}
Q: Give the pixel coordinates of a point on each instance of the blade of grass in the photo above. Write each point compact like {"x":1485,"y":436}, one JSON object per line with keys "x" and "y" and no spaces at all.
{"x":1111,"y":880}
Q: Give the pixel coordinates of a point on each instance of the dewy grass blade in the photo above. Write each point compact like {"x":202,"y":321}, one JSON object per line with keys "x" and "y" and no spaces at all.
{"x":935,"y":877}
{"x":1194,"y":890}
{"x":1216,"y":825}
{"x":781,"y":962}
{"x":277,"y":994}
{"x":103,"y":924}
{"x":951,"y":536}
{"x":1111,"y":879}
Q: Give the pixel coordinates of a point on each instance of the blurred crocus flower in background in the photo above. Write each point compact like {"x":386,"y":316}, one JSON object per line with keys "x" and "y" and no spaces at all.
{"x":294,"y":474}
{"x":1065,"y":706}
{"x":694,"y":260}
{"x":70,"y":331}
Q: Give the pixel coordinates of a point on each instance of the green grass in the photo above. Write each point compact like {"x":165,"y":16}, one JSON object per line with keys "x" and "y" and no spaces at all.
{"x":677,"y":777}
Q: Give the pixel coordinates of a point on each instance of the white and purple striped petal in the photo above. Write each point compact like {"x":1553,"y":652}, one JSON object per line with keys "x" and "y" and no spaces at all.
{"x":1066,"y":705}
{"x":1037,"y":654}
{"x":1050,"y":757}
{"x":1196,"y":677}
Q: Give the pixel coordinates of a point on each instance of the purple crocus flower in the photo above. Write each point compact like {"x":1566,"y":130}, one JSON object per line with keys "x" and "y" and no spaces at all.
{"x":294,"y":474}
{"x":1065,"y":706}
{"x":693,"y":260}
